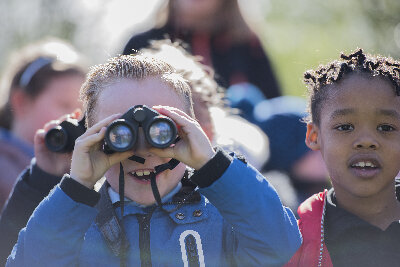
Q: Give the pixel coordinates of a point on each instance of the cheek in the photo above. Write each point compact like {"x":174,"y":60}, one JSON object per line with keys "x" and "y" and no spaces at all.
{"x":113,"y":176}
{"x":177,"y":173}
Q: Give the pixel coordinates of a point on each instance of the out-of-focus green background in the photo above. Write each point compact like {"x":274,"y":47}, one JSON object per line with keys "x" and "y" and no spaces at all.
{"x":297,"y":34}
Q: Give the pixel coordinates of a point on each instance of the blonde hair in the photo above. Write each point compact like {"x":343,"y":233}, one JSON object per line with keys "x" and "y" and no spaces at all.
{"x":199,"y":76}
{"x":135,"y":67}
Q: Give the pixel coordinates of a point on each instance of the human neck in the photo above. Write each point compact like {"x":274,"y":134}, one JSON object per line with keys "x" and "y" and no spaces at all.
{"x":379,"y":210}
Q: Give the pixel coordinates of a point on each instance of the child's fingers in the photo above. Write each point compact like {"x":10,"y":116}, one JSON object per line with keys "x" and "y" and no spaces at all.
{"x":90,"y":140}
{"x":54,"y":123}
{"x":118,"y":157}
{"x":76,"y":114}
{"x":179,"y":117}
{"x":98,"y":126}
{"x":64,"y":117}
{"x":39,"y":136}
{"x":166,"y":110}
{"x":51,"y":124}
{"x":163,"y":153}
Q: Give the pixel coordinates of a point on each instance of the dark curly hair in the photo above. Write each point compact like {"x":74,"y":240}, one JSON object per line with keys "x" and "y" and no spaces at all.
{"x":319,"y":81}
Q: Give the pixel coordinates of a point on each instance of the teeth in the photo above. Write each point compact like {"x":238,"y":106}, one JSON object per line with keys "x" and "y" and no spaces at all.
{"x":363,"y":164}
{"x":141,"y":173}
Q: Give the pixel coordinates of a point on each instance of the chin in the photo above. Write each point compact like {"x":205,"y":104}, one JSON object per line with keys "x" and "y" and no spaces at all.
{"x":364,"y":192}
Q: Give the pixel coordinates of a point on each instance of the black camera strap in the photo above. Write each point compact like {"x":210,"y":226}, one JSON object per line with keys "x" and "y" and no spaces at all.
{"x":160,"y":168}
{"x":157,"y":169}
{"x":137,"y":159}
{"x":121,"y":188}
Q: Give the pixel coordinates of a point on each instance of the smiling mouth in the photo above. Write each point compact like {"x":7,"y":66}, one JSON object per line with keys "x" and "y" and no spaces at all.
{"x":144,"y":175}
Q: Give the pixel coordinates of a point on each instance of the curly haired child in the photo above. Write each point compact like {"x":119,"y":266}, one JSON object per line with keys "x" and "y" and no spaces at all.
{"x":354,"y":107}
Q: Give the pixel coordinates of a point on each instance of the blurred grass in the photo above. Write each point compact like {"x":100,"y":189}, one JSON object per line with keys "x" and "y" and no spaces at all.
{"x":300,"y":35}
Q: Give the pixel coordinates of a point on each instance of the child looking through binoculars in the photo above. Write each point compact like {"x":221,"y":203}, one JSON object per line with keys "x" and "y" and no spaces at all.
{"x":233,"y":217}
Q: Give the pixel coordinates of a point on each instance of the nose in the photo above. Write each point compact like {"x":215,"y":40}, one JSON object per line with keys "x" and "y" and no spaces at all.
{"x":141,"y":147}
{"x":366,"y":141}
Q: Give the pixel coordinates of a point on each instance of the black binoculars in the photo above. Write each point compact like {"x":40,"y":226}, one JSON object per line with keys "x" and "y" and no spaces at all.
{"x":62,"y":138}
{"x":160,"y":131}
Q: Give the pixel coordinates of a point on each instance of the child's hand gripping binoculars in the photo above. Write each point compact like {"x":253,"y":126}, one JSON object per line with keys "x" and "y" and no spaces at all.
{"x":121,"y":135}
{"x":62,"y":138}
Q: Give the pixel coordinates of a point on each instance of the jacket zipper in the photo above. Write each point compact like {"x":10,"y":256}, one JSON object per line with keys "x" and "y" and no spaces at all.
{"x":144,"y":239}
{"x":191,"y":251}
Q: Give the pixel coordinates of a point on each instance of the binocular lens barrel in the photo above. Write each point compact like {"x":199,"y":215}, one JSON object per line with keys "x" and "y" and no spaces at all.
{"x":161,"y":132}
{"x":121,"y":137}
{"x":122,"y":134}
{"x":56,"y":139}
{"x":62,"y":138}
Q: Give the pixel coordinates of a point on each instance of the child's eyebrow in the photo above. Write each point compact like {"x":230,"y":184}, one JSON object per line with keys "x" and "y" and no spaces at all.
{"x":342,"y":112}
{"x":388,"y":112}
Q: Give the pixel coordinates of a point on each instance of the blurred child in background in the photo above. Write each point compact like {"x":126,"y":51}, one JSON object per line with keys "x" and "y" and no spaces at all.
{"x":41,"y":83}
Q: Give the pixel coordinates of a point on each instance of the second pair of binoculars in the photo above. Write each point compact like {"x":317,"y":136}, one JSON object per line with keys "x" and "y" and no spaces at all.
{"x":121,"y":135}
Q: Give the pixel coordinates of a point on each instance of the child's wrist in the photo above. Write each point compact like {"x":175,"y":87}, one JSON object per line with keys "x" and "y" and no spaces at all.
{"x":79,"y":192}
{"x":212,"y":170}
{"x":86,"y":183}
{"x":204,"y":159}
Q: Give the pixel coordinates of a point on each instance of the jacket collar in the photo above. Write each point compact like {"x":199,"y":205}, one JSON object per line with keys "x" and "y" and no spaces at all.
{"x":339,"y":220}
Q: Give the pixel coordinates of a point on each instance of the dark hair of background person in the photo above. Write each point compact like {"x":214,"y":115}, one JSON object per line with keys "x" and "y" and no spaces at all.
{"x":319,"y":81}
{"x":36,"y":85}
{"x":223,"y":39}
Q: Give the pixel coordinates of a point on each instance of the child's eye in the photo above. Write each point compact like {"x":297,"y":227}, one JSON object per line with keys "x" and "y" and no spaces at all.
{"x":385,"y":128}
{"x":345,"y":127}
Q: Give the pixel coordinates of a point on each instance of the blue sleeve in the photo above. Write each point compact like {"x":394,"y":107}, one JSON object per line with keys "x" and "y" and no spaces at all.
{"x":32,"y":187}
{"x":266,"y":232}
{"x":54,"y":233}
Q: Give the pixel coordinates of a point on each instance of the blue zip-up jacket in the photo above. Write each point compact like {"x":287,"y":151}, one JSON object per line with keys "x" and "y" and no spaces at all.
{"x":239,"y":221}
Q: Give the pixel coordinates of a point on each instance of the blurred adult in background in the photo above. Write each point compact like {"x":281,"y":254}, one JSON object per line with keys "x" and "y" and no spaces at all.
{"x":222,"y":126}
{"x":41,"y":83}
{"x":281,"y":119}
{"x":215,"y":30}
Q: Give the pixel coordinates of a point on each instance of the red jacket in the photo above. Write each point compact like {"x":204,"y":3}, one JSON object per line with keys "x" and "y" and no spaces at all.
{"x":311,"y":224}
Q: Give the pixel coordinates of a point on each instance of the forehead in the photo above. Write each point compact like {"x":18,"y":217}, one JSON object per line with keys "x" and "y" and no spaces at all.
{"x":125,"y":93}
{"x":359,"y":94}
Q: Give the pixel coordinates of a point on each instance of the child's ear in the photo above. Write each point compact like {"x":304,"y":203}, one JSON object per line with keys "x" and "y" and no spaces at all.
{"x":312,"y":136}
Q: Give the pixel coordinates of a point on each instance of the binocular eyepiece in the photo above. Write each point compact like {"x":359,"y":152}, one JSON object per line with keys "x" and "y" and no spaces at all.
{"x":62,"y":138}
{"x":121,"y":135}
